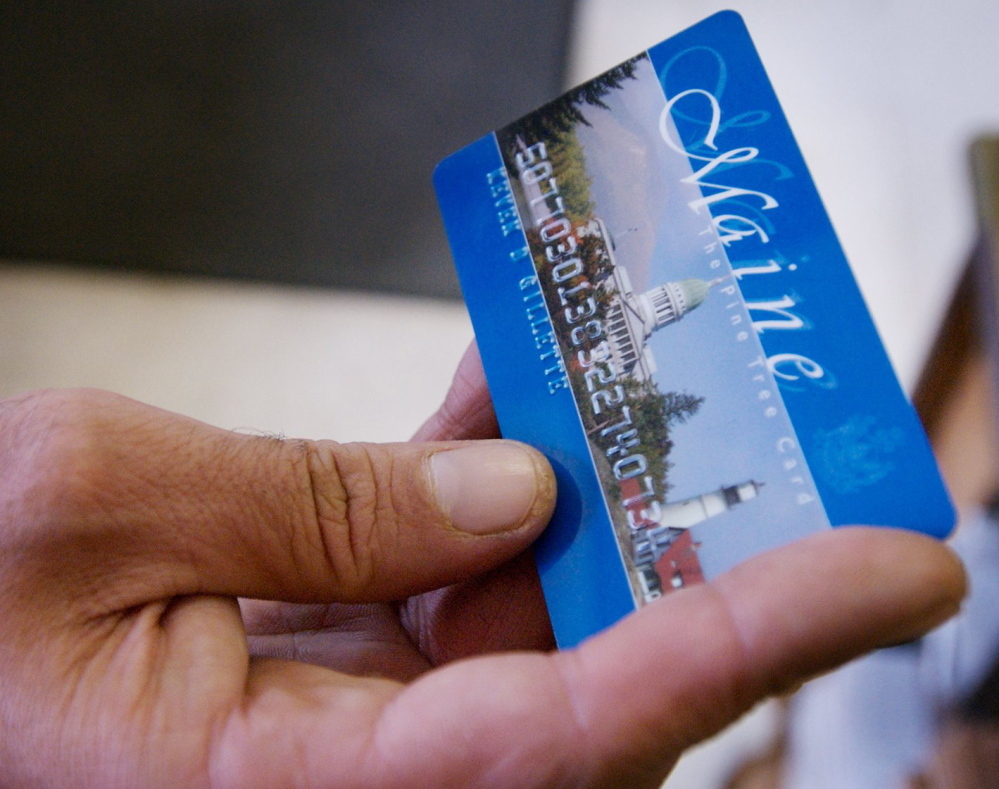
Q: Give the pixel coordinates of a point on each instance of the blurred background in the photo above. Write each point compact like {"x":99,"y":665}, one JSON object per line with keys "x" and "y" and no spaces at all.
{"x":225,"y":209}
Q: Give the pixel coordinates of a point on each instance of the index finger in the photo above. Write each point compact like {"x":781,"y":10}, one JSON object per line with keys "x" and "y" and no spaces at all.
{"x":619,"y":709}
{"x":467,"y":410}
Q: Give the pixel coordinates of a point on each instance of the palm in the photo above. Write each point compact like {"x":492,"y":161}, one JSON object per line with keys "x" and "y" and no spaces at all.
{"x":500,"y":611}
{"x":609,"y":714}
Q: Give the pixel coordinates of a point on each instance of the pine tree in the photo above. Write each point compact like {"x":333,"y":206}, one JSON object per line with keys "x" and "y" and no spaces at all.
{"x":561,"y":116}
{"x":680,"y":406}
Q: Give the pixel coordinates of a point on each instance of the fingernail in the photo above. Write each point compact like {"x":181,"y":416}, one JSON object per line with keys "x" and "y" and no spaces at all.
{"x":489,"y":487}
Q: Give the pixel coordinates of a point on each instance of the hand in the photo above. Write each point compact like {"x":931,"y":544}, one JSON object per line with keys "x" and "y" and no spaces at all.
{"x":503,"y":609}
{"x":127,"y":533}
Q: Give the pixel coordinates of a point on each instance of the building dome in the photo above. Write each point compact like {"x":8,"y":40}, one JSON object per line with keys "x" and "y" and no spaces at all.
{"x":695,"y":291}
{"x":670,"y":302}
{"x":633,"y":317}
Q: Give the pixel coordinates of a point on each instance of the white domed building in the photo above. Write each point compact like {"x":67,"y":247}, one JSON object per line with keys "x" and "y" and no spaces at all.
{"x":632,"y":318}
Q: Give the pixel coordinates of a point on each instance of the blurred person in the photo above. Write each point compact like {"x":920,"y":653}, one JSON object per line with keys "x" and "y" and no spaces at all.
{"x":900,"y":714}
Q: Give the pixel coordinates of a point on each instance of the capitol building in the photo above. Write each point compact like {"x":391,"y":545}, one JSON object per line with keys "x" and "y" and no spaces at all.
{"x":632,"y":318}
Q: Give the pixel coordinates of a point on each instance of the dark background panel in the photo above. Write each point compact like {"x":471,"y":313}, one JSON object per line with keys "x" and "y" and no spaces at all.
{"x":287,"y":141}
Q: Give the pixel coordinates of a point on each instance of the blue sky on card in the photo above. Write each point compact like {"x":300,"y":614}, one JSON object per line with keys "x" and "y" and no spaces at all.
{"x":637,"y":191}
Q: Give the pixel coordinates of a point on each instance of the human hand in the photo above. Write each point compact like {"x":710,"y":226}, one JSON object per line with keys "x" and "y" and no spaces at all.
{"x":128,"y":532}
{"x":502,"y":609}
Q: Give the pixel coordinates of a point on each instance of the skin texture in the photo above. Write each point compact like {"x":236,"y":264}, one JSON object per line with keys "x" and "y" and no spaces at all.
{"x":408,"y":649}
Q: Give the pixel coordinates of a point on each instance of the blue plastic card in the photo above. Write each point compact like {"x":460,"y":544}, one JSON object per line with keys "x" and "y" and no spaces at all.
{"x":663,"y":309}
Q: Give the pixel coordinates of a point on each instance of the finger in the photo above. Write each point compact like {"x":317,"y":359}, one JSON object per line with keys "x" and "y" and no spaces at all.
{"x":362,"y":639}
{"x":467,"y":410}
{"x":119,"y":489}
{"x":711,"y":653}
{"x":618,"y":710}
{"x":499,"y":611}
{"x":505,"y":609}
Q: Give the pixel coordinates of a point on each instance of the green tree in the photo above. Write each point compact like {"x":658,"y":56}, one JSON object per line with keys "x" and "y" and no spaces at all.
{"x":564,"y":113}
{"x":680,"y":406}
{"x":569,"y":166}
{"x":561,"y":116}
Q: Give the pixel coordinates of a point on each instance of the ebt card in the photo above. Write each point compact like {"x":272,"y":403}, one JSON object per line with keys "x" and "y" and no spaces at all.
{"x":663,"y":309}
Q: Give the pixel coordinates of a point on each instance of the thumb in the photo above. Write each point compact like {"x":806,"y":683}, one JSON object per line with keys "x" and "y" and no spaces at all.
{"x":110,"y":488}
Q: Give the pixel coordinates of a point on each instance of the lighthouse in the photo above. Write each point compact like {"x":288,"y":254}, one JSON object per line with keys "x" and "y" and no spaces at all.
{"x":690,"y":512}
{"x":664,"y":551}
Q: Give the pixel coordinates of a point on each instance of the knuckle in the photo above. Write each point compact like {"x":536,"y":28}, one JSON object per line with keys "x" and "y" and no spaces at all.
{"x":350,"y":489}
{"x":54,"y":456}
